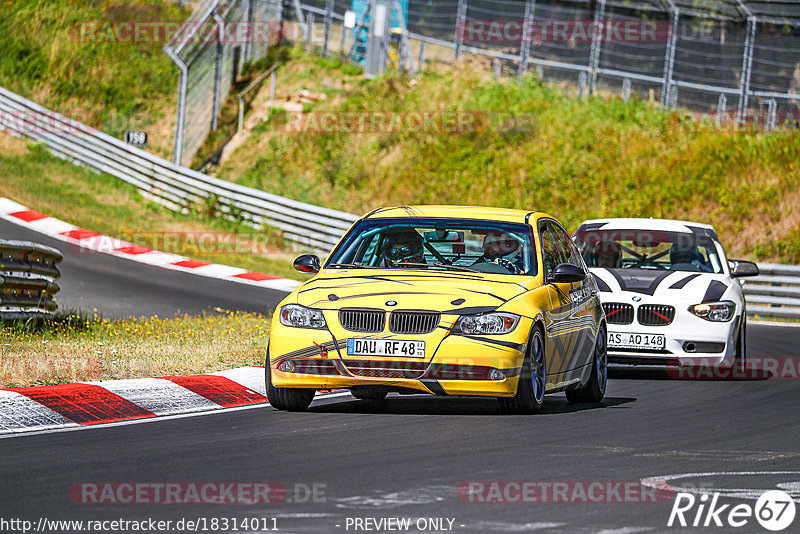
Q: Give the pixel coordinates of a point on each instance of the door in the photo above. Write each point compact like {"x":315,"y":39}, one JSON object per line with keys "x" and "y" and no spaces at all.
{"x":561,"y":335}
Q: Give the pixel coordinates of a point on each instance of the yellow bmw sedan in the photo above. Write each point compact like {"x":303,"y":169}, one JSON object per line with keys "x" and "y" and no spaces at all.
{"x":442,"y":300}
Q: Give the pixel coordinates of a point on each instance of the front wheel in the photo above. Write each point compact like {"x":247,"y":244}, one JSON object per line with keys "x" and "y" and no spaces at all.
{"x":291,"y":399}
{"x":740,"y":363}
{"x":532,"y":379}
{"x":595,"y":389}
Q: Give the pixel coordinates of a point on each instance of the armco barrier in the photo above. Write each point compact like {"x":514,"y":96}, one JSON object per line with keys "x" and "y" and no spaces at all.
{"x":27,"y":279}
{"x":169,"y":184}
{"x":775,"y":292}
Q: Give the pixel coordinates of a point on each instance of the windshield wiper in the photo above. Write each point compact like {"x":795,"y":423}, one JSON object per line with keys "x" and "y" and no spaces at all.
{"x":356,"y":265}
{"x":441,"y":265}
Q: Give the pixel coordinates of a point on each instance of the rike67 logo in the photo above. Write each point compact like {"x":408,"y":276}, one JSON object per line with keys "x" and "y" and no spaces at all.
{"x":774,"y":510}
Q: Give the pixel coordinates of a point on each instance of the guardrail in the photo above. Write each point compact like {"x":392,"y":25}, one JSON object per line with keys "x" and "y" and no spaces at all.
{"x":169,"y":184}
{"x":27,"y":279}
{"x":775,"y":292}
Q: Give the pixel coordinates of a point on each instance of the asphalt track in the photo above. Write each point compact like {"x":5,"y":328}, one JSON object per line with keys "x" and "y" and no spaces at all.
{"x":407,"y":456}
{"x":117,"y":287}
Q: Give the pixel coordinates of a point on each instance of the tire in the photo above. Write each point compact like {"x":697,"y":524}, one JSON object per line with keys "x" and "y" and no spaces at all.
{"x":740,"y":363}
{"x":532,"y":379}
{"x":369,"y":395}
{"x":595,"y":389}
{"x":291,"y":399}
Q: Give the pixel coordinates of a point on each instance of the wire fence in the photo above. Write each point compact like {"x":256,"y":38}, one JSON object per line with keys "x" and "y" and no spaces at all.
{"x":736,"y":60}
{"x":209,"y":50}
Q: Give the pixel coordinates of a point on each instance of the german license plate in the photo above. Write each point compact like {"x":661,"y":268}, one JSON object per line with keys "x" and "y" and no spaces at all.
{"x":626,"y":340}
{"x":386,"y":347}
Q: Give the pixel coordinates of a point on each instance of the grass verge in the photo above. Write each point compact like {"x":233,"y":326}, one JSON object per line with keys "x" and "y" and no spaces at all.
{"x":75,"y":346}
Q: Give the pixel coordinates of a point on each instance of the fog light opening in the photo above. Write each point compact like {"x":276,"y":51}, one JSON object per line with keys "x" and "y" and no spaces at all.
{"x":496,"y":374}
{"x":288,"y":366}
{"x":689,"y":347}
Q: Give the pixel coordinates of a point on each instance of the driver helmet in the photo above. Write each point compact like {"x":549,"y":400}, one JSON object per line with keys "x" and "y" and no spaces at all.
{"x":498,"y":244}
{"x":403,"y":245}
{"x":607,"y":254}
{"x":684,"y":254}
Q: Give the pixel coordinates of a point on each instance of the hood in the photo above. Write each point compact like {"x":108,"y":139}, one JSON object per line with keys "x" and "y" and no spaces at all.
{"x":447,"y":292}
{"x":669,"y":286}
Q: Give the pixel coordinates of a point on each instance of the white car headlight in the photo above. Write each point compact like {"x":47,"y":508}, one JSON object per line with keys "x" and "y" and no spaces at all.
{"x":718,"y":312}
{"x":301,"y":317}
{"x":489,"y":323}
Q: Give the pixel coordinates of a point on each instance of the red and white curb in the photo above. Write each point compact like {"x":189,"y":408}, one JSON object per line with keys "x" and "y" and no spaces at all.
{"x":81,"y":404}
{"x":85,"y":239}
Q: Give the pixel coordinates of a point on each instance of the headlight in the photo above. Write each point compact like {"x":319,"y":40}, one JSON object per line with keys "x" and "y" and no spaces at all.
{"x":490,"y":323}
{"x":718,"y":312}
{"x":302,"y":317}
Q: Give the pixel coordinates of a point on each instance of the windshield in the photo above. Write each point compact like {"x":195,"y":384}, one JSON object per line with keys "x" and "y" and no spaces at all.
{"x":436,"y":243}
{"x":648,"y":249}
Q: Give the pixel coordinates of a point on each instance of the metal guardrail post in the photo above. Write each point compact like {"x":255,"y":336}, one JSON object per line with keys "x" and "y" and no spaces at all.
{"x":273,"y":83}
{"x":328,"y":23}
{"x":527,"y":28}
{"x":309,"y":29}
{"x":248,"y":45}
{"x":582,"y":84}
{"x":747,"y":66}
{"x":722,"y":104}
{"x":301,"y":19}
{"x":180,"y":113}
{"x":218,"y":71}
{"x":772,"y":115}
{"x":669,"y":57}
{"x":597,"y":39}
{"x":461,"y":20}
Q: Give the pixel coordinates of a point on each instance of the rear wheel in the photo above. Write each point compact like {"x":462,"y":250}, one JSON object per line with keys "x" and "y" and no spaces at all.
{"x":291,"y":399}
{"x":595,"y":389}
{"x":532,"y":379}
{"x":371,"y":395}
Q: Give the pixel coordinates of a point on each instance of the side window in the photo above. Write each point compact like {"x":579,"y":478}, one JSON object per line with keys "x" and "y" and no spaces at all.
{"x":571,"y":253}
{"x":552,"y":252}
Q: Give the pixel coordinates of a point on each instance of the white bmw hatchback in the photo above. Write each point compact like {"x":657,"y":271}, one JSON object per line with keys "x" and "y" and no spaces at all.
{"x":670,"y":295}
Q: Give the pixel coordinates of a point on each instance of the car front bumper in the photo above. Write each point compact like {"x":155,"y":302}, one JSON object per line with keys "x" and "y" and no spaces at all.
{"x":453,"y":365}
{"x":689,"y":342}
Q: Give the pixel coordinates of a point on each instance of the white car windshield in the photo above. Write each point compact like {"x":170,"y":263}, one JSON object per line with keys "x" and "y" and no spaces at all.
{"x":648,"y":249}
{"x":437,"y":243}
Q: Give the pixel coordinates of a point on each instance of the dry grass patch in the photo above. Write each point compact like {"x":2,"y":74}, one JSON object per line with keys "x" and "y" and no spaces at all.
{"x":75,"y":347}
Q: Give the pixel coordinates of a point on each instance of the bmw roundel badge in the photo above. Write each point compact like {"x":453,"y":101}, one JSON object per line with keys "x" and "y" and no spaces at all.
{"x":391,"y":303}
{"x":636,"y":298}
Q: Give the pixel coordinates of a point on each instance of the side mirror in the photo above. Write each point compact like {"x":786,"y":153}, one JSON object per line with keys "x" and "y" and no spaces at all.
{"x":307,"y":263}
{"x":741,"y":268}
{"x":567,"y":273}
